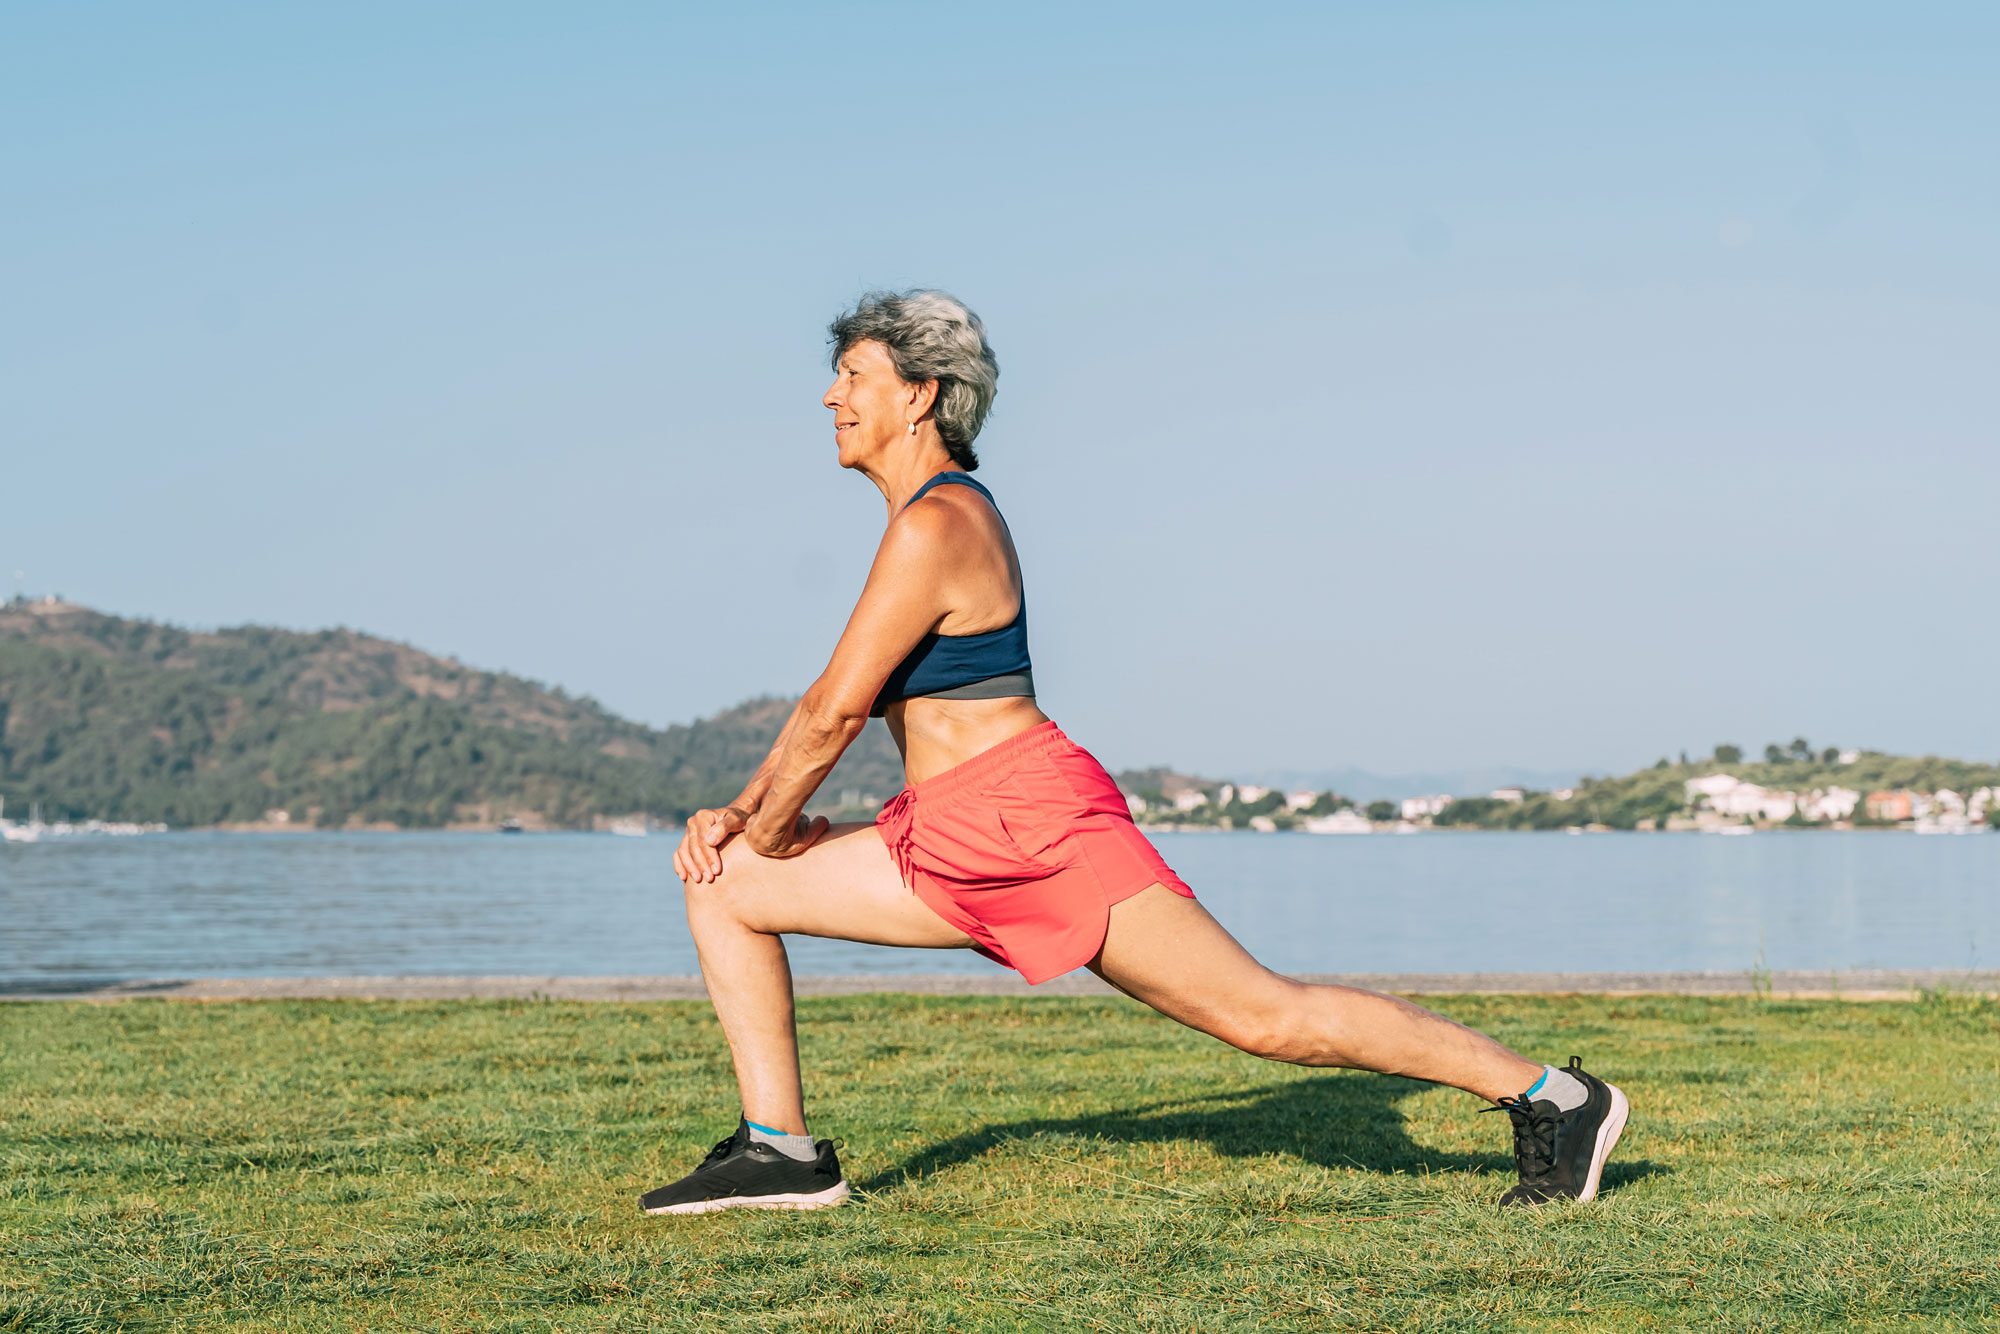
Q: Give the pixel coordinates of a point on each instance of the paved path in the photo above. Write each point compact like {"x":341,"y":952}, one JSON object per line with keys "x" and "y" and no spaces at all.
{"x":1859,"y":984}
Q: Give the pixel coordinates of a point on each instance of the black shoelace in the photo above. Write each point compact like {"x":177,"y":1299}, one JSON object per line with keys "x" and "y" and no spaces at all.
{"x":1534,"y":1136}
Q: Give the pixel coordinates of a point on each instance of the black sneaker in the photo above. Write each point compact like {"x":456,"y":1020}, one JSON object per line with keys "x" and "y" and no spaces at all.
{"x":740,"y":1173}
{"x":1561,"y":1154}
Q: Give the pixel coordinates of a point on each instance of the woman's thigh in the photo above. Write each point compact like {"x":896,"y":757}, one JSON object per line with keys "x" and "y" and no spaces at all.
{"x":845,"y":887}
{"x":1165,"y":949}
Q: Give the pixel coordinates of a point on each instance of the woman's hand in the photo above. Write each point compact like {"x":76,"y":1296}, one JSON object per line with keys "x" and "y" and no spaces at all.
{"x":699,"y":859}
{"x":782,"y":842}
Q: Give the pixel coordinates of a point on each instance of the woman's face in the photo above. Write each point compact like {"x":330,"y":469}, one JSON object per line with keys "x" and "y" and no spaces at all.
{"x":871,"y":403}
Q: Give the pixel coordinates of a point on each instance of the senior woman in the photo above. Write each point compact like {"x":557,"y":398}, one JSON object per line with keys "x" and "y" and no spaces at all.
{"x":1009,"y":839}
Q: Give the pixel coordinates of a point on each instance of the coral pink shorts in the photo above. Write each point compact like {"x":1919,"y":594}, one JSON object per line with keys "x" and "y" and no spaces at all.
{"x":1024,"y":847}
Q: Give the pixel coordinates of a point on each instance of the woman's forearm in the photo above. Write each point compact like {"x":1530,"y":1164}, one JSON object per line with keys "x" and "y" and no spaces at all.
{"x":759,"y":785}
{"x":811,"y":744}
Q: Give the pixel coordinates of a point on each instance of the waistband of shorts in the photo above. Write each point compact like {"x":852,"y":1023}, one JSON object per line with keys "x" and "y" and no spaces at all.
{"x":970,"y":774}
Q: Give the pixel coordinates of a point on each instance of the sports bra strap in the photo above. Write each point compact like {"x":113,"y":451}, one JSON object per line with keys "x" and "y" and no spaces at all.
{"x":966,"y":479}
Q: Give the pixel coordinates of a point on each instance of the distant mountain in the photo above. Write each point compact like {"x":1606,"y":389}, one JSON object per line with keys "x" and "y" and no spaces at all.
{"x":1170,"y":783}
{"x":119,"y":719}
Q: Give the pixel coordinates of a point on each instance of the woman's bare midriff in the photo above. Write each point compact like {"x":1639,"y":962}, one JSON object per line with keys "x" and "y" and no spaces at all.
{"x":939,"y":734}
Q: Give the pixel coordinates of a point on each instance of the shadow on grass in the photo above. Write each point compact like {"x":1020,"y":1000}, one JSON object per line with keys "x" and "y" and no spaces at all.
{"x":1347,"y":1121}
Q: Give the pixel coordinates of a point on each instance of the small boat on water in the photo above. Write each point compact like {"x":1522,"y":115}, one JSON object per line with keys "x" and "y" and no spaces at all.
{"x":1346,"y":821}
{"x":12,"y":831}
{"x":627,"y":828}
{"x":35,"y":830}
{"x":510,"y":825}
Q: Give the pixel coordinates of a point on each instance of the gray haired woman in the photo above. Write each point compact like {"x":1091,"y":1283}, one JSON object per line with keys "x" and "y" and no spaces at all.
{"x":1009,"y":838}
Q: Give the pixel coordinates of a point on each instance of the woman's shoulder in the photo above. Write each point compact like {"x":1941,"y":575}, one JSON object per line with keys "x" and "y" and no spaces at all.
{"x":950,"y":508}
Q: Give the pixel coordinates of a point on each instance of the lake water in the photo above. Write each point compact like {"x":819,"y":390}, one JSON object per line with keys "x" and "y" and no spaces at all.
{"x":245,"y":905}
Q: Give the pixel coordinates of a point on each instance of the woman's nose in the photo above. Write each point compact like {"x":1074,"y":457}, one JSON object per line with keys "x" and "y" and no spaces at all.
{"x":827,"y":400}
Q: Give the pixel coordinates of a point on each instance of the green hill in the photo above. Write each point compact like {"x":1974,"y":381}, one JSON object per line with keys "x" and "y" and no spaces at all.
{"x":1660,"y":793}
{"x":119,"y":719}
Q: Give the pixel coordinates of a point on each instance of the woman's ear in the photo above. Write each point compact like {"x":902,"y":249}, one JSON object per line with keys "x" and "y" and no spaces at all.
{"x":923,"y":398}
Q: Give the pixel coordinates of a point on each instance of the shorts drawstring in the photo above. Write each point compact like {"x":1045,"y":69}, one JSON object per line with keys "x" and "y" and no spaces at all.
{"x":903,"y":846}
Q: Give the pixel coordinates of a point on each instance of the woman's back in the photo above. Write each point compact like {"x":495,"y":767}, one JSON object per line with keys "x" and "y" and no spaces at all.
{"x":986,"y":664}
{"x":958,"y":692}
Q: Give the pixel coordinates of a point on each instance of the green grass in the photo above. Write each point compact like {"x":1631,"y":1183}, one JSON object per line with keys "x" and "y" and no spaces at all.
{"x":1054,"y":1162}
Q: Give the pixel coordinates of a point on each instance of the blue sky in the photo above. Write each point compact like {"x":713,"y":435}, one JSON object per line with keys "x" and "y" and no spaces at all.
{"x":1403,"y":387}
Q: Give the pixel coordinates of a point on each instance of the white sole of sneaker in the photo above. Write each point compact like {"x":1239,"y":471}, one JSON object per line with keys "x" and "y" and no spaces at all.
{"x":1607,"y":1139}
{"x":825,"y":1199}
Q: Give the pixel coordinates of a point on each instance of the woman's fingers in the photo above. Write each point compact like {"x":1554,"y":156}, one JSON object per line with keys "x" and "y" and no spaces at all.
{"x":692,"y":849}
{"x":724,"y":825}
{"x":713,"y":841}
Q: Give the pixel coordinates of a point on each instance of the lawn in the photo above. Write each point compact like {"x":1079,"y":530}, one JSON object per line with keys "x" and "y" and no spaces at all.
{"x":1020,"y":1163}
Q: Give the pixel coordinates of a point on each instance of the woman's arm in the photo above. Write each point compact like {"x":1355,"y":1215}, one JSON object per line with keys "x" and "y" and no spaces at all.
{"x":805,"y":755}
{"x":753,"y":792}
{"x":903,"y":600}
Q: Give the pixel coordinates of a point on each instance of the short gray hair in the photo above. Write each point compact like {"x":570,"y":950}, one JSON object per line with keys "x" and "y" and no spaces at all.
{"x":930,"y":336}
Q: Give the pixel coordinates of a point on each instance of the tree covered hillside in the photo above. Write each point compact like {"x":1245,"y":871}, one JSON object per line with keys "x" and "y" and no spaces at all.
{"x":119,"y":719}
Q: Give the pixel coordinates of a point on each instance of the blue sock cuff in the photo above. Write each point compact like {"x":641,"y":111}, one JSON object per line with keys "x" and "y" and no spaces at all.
{"x":1536,"y":1087}
{"x":768,"y":1131}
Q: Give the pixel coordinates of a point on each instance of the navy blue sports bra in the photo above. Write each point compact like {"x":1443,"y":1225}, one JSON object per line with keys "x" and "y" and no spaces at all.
{"x":990,"y":665}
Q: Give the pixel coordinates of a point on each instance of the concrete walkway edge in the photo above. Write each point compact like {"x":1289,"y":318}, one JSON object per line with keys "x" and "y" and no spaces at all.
{"x":1871,"y":984}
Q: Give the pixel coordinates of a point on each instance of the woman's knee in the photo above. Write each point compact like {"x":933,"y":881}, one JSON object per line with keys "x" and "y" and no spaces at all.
{"x":1289,"y":1023}
{"x":1262,"y":1023}
{"x":723,"y":898}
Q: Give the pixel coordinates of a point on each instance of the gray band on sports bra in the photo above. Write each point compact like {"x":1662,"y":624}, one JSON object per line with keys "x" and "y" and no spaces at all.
{"x":993,"y":687}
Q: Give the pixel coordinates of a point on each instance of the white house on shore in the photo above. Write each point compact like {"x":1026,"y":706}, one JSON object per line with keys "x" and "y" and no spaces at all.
{"x":1709,"y":785}
{"x":1423,"y":808}
{"x":1759,"y":803}
{"x":1733,"y":798}
{"x":1827,"y":804}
